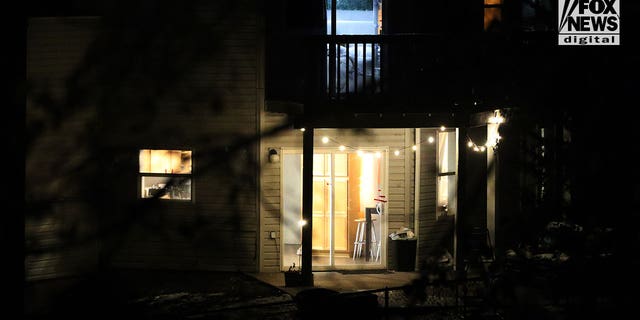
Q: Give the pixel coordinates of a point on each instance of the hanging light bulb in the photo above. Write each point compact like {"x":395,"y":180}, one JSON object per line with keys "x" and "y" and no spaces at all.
{"x":325,"y":140}
{"x":342,"y":148}
{"x":431,"y":139}
{"x":414,"y":147}
{"x":470,"y":144}
{"x":482,"y":148}
{"x":442,"y":128}
{"x":302,"y":129}
{"x":476,"y":149}
{"x":396,"y":153}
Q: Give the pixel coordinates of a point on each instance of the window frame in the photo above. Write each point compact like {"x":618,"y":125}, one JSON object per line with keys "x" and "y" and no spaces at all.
{"x":440,"y":173}
{"x":187,"y":176}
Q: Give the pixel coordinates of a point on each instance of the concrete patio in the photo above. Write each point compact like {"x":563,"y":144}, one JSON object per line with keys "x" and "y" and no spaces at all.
{"x":343,"y":281}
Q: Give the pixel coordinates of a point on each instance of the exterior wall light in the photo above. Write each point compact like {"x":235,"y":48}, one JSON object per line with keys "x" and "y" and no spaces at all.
{"x":274,"y":157}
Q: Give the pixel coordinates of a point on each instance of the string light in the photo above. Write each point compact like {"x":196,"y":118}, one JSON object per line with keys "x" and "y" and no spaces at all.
{"x":378,"y":154}
{"x":492,"y":141}
{"x":493,"y":137}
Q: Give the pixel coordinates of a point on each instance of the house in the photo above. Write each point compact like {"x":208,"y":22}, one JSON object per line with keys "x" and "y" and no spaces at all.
{"x":173,"y":136}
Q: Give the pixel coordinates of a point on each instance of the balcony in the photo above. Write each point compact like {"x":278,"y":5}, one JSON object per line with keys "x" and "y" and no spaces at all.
{"x":391,"y":71}
{"x":407,"y":73}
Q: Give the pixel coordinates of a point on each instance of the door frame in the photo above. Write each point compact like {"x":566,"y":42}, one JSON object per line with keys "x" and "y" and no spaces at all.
{"x":384,"y":228}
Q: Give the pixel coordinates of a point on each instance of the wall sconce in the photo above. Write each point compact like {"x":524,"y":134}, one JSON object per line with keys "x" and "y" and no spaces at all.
{"x":274,"y":157}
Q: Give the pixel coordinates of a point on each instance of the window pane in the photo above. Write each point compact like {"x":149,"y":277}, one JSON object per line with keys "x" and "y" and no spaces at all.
{"x":492,"y":18}
{"x":446,"y":196}
{"x":152,"y":186}
{"x":340,"y":196}
{"x":356,"y":17}
{"x":165,"y":161}
{"x":341,"y":165}
{"x":318,"y":165}
{"x":447,"y":152}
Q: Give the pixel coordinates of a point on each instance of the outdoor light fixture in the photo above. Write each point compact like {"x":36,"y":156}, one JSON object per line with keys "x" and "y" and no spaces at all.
{"x":274,"y":157}
{"x":496,"y":118}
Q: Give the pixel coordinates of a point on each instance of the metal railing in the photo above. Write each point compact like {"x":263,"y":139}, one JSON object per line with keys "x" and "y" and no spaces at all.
{"x":366,"y":65}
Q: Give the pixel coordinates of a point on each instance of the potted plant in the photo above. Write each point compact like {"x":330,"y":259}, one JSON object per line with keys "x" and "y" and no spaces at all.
{"x":293,"y":276}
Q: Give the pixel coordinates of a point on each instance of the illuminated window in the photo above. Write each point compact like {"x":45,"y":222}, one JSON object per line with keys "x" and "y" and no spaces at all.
{"x":447,"y":178}
{"x":492,"y":14}
{"x":355,"y":17}
{"x":165,"y":174}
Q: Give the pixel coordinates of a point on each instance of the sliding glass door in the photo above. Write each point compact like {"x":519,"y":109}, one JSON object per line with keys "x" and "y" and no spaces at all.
{"x":345,"y":185}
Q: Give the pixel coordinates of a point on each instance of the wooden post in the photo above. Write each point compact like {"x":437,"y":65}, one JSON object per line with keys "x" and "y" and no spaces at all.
{"x":461,"y":205}
{"x":307,"y":205}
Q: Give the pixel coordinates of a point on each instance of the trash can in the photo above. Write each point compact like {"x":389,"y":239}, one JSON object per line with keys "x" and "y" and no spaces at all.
{"x":404,"y":254}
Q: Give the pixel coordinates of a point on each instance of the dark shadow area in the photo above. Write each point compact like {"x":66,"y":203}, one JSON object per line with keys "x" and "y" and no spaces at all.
{"x":153,"y":294}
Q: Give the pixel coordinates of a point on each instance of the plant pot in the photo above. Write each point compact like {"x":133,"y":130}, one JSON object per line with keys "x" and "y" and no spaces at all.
{"x":292,"y":278}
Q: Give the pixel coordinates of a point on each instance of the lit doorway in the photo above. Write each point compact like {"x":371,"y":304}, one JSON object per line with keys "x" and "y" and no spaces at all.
{"x":345,"y":186}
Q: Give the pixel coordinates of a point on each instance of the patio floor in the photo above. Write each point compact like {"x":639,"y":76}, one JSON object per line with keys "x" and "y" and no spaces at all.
{"x":343,"y":281}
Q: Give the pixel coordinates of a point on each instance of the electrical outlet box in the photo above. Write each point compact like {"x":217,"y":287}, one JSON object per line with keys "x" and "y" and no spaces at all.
{"x":272,"y":234}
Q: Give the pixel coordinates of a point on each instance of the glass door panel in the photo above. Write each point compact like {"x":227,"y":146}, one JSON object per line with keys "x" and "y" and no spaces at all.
{"x":320,"y":214}
{"x":344,"y":186}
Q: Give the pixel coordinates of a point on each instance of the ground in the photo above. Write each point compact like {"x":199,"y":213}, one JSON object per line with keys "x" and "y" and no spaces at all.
{"x":155,"y":294}
{"x":150,"y":294}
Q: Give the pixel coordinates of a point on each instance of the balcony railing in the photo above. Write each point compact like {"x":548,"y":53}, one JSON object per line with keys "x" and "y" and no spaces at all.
{"x":362,"y":66}
{"x":353,"y":66}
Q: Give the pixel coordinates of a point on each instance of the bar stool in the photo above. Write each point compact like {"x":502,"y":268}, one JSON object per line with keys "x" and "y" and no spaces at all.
{"x":359,"y":240}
